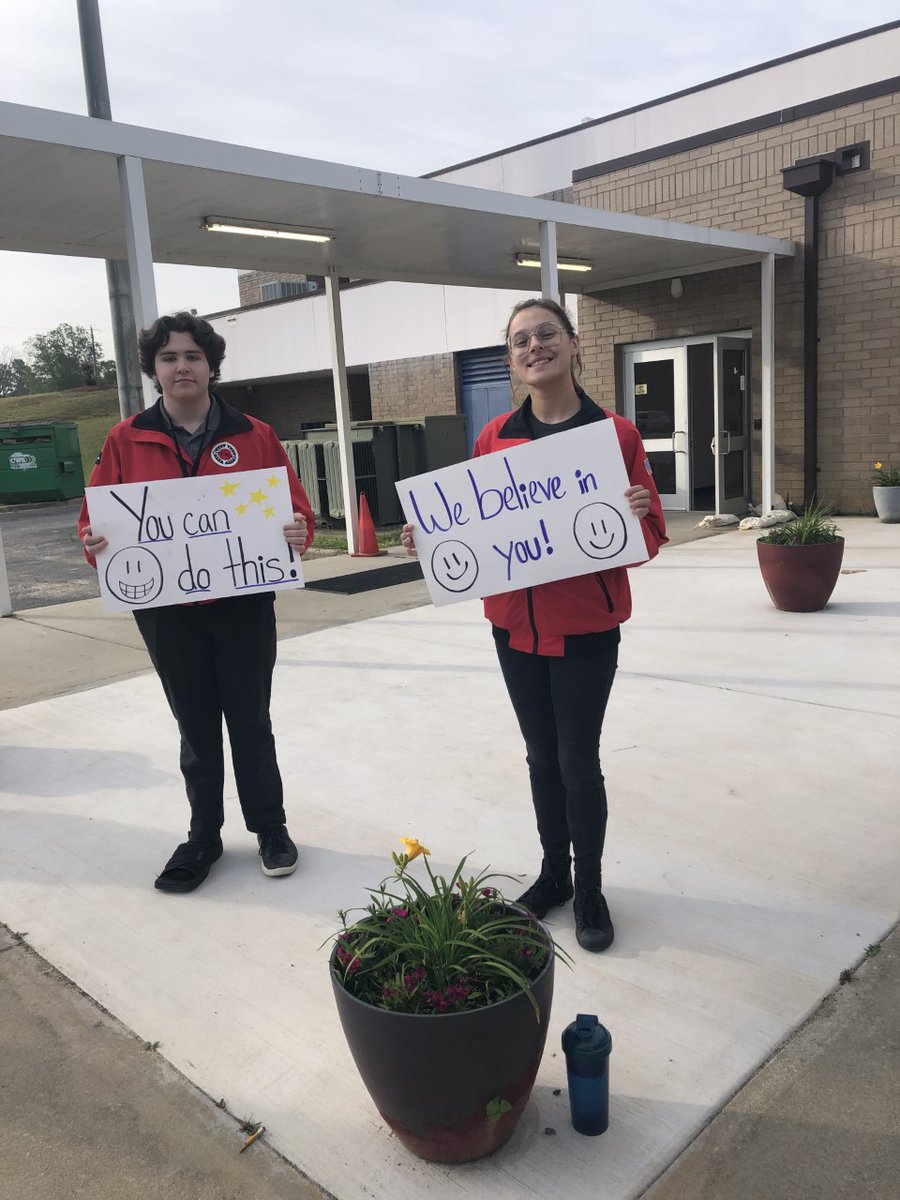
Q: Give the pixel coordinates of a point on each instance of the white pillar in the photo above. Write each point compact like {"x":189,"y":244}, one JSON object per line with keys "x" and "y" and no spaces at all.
{"x":767,"y":375}
{"x":5,"y":598}
{"x":549,"y":271}
{"x":342,"y":408}
{"x":140,"y":252}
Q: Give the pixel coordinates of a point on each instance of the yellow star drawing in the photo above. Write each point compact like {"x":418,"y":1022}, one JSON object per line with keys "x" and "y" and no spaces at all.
{"x":228,"y":489}
{"x":241,"y":509}
{"x":270,"y":512}
{"x":257,"y":497}
{"x":273,"y":481}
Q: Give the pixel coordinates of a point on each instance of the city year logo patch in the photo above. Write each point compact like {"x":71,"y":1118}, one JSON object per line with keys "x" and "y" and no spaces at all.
{"x":224,"y":454}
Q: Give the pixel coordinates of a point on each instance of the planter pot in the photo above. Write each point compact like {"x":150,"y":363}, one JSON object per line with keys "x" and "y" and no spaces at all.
{"x":432,"y":1076}
{"x":800,"y":578}
{"x":887,"y":503}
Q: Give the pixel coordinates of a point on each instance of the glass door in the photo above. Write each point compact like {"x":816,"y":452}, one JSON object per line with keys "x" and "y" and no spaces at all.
{"x":656,"y":401}
{"x":731,"y":442}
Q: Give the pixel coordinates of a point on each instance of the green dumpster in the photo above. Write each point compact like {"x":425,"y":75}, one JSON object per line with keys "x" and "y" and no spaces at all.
{"x":40,"y":460}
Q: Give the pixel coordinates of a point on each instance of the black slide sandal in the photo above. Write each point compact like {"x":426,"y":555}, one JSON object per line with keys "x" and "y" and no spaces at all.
{"x":188,"y":866}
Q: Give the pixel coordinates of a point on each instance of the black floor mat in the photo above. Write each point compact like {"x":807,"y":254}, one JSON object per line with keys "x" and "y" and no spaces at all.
{"x":367,"y":581}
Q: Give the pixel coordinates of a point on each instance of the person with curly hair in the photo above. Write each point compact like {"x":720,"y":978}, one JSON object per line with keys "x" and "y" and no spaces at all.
{"x":214,"y":658}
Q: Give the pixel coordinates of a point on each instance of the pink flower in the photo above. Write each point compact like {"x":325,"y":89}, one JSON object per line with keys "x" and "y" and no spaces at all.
{"x":413,"y":979}
{"x":347,"y":960}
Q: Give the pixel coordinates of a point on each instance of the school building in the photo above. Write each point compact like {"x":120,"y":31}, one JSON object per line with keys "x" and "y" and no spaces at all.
{"x":804,"y":148}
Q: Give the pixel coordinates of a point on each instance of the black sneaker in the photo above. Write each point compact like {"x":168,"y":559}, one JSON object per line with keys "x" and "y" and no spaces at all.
{"x":548,"y":891}
{"x":277,"y":851}
{"x":593,"y":925}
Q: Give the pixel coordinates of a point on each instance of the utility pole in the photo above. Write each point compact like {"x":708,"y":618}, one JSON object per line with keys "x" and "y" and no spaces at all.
{"x":118,"y":282}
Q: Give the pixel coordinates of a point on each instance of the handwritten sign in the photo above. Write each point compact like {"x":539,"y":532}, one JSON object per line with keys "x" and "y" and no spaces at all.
{"x":551,"y":509}
{"x":174,"y":541}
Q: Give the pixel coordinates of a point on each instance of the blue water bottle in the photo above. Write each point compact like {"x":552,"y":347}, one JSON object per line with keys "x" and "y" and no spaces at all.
{"x":587,"y":1045}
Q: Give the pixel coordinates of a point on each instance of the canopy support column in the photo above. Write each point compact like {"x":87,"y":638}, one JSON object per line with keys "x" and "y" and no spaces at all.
{"x":5,"y":598}
{"x":767,"y":345}
{"x":549,"y":269}
{"x":140,"y":252}
{"x":342,"y":408}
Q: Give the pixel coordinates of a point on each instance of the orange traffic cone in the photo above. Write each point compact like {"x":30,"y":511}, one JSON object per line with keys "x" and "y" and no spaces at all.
{"x":368,"y":542}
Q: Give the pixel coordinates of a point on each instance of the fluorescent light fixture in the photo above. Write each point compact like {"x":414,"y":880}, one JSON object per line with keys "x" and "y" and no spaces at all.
{"x":274,"y":229}
{"x":562,"y":264}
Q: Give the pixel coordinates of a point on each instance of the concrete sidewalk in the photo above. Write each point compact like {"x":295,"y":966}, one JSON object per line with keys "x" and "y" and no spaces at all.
{"x":752,"y":858}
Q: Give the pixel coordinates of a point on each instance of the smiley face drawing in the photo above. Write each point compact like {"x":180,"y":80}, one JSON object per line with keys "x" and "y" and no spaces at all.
{"x":454,"y":566}
{"x":600,"y":530}
{"x":134,"y":575}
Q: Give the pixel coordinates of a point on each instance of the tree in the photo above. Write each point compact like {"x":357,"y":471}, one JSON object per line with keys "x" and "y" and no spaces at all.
{"x":14,"y":376}
{"x":106,"y":373}
{"x":66,"y":357}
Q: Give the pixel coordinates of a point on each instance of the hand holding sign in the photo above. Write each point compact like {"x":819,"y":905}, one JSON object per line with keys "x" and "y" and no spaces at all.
{"x":552,"y":509}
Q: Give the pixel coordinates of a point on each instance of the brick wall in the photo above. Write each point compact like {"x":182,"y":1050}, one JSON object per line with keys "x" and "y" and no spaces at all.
{"x":738,"y":185}
{"x":250,"y":284}
{"x":413,"y":387}
{"x":290,"y":405}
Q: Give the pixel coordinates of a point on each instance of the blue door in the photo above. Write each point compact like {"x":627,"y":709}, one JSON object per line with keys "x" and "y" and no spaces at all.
{"x":484,"y":388}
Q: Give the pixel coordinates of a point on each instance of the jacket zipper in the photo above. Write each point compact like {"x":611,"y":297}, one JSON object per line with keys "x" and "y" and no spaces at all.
{"x":531,"y":621}
{"x":602,"y":582}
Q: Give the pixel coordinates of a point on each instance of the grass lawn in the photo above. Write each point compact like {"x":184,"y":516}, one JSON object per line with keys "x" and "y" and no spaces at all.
{"x":93,"y":410}
{"x":336,"y":539}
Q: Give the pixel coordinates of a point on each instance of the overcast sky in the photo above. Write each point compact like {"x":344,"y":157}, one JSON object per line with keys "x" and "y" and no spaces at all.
{"x":401,"y":85}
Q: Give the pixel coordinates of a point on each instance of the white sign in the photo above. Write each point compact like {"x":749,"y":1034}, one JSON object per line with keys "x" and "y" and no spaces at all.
{"x":551,"y":509}
{"x":20,"y":461}
{"x":174,"y":541}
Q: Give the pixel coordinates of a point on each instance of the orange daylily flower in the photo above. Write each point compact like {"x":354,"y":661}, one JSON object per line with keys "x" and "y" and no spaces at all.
{"x":414,"y":848}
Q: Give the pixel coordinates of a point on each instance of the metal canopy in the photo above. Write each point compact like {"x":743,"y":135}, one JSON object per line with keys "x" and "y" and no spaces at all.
{"x":75,"y":185}
{"x":60,"y":195}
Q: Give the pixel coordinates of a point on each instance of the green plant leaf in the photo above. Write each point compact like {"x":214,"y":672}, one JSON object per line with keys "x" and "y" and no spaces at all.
{"x":813,"y":527}
{"x":497,"y":1107}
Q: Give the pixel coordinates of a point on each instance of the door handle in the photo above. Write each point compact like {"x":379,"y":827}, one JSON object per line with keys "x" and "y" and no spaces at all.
{"x":726,"y":444}
{"x":677,"y":449}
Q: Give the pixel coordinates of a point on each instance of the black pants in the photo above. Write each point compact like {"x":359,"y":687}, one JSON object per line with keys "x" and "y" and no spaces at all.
{"x":216,"y":660}
{"x":560,"y":704}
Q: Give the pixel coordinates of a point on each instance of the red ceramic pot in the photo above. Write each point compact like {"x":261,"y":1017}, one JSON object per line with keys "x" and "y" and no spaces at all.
{"x":800,"y":578}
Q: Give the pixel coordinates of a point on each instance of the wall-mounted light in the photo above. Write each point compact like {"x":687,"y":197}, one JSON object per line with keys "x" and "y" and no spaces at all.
{"x":562,"y":264}
{"x":677,"y":288}
{"x":275,"y":229}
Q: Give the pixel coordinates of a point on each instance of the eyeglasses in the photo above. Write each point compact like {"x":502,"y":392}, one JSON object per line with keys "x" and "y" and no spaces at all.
{"x":547,"y":334}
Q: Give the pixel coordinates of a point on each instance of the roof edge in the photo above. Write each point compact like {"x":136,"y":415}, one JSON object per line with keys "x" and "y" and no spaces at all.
{"x":648,"y":104}
{"x":783,"y":116}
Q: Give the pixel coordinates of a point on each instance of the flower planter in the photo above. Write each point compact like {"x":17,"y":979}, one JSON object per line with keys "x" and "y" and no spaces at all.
{"x":800,"y":578}
{"x":887,"y":503}
{"x":433,"y":1076}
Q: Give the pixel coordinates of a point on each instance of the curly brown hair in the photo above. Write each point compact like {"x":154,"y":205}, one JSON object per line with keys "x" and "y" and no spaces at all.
{"x":152,"y":340}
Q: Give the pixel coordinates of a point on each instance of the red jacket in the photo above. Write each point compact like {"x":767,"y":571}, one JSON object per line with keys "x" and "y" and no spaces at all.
{"x":141,"y":448}
{"x":540,"y":619}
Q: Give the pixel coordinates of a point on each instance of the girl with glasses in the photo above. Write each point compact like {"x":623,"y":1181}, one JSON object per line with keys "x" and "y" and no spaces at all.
{"x":558,"y":642}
